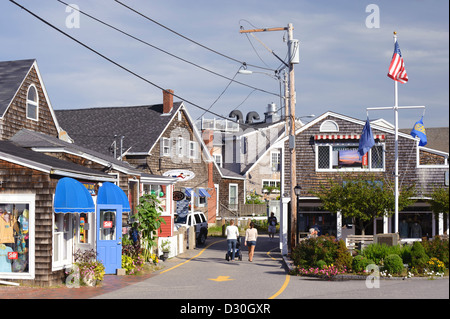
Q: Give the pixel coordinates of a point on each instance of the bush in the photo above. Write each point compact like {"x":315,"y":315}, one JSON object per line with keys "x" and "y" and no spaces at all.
{"x":437,"y":248}
{"x":393,"y":264}
{"x":378,"y":252}
{"x":343,"y":257}
{"x":360,"y":263}
{"x":310,"y":251}
{"x":419,"y":258}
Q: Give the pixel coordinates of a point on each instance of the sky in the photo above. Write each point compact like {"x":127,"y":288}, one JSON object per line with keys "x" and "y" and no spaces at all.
{"x":345,"y":51}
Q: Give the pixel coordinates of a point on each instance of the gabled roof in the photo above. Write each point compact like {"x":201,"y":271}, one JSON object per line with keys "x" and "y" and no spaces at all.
{"x":12,"y":74}
{"x":96,"y":128}
{"x":41,"y":142}
{"x":13,"y":153}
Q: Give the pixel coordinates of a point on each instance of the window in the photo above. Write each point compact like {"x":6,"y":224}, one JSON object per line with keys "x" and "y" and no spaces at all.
{"x":193,"y":149}
{"x":165,"y":146}
{"x":218,"y":159}
{"x":32,"y":103}
{"x":275,"y":161}
{"x":233,"y":197}
{"x":180,"y":147}
{"x":62,"y":240}
{"x":17,"y":236}
{"x":344,"y":156}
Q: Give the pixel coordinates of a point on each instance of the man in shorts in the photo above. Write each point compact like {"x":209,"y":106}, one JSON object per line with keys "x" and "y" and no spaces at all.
{"x":272,"y":224}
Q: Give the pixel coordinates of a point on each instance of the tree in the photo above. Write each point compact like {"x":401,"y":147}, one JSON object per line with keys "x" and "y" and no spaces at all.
{"x":148,"y":221}
{"x":362,"y":198}
{"x":439,"y":201}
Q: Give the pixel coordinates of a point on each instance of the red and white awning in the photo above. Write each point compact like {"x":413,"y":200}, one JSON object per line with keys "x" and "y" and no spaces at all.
{"x":344,"y":136}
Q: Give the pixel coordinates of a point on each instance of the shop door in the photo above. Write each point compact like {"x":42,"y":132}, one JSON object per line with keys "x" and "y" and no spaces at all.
{"x":109,"y":237}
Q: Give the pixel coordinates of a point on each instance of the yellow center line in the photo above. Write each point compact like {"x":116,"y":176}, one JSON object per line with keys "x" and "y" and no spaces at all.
{"x":201,"y":252}
{"x":286,"y":281}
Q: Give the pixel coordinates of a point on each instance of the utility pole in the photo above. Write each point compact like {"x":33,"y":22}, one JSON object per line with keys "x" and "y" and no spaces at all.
{"x":293,"y":59}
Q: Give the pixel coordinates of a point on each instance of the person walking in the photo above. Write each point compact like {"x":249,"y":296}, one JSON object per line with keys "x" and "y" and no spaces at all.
{"x":251,"y":234}
{"x":232,"y":233}
{"x":272,"y":225}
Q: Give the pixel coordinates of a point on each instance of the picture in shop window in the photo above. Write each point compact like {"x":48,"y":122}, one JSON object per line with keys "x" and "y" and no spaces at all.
{"x":14,"y":238}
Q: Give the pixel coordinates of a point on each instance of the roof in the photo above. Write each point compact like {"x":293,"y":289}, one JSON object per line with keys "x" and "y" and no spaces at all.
{"x":96,"y":128}
{"x":12,"y":74}
{"x":13,"y":153}
{"x":44,"y":143}
{"x":437,"y":138}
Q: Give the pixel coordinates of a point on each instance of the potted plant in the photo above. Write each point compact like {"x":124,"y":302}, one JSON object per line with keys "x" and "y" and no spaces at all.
{"x":165,"y":248}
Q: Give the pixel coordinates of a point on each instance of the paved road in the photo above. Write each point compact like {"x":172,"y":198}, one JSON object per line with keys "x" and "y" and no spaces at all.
{"x":204,"y":273}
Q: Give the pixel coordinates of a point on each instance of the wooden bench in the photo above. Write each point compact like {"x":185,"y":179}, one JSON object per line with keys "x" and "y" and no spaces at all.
{"x":358,"y":241}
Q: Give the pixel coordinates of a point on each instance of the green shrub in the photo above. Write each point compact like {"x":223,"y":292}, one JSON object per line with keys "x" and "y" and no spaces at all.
{"x":437,"y":248}
{"x":393,"y":264}
{"x":343,"y":257}
{"x":321,"y":264}
{"x":309,"y":251}
{"x":360,"y":263}
{"x":419,"y":258}
{"x":378,"y":252}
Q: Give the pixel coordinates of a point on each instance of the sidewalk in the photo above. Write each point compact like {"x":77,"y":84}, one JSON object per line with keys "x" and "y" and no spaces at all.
{"x":110,"y":282}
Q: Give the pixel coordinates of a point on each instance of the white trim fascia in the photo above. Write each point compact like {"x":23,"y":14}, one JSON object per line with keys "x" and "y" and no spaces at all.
{"x":98,"y":178}
{"x":86,"y":156}
{"x":25,"y":162}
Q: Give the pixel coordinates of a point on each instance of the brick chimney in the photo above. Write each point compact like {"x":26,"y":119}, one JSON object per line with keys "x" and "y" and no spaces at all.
{"x":167,"y":101}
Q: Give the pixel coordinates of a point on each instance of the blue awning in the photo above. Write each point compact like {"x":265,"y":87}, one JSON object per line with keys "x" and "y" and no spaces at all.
{"x":72,"y":197}
{"x":189,"y":192}
{"x":111,"y":194}
{"x":203,"y":192}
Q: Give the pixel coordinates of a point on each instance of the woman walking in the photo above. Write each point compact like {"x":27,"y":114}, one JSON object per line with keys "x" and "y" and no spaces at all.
{"x":232,"y":233}
{"x":251,"y":234}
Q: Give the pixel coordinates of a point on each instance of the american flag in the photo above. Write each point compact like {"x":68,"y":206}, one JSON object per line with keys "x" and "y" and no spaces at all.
{"x":397,"y":70}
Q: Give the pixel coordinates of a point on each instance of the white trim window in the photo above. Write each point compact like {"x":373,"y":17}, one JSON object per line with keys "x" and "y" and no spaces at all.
{"x":218,"y":159}
{"x":17,"y":233}
{"x":275,"y":161}
{"x":62,"y":240}
{"x":165,"y":146}
{"x":193,"y":149}
{"x":233,"y":196}
{"x":180,"y":146}
{"x":32,"y":103}
{"x":344,"y":157}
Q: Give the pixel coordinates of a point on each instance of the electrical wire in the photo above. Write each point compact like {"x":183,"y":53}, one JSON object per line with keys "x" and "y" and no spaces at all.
{"x":114,"y":62}
{"x":188,"y":39}
{"x":162,"y":50}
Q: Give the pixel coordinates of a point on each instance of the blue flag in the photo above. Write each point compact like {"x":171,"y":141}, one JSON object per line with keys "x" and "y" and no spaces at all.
{"x":366,"y":141}
{"x":419,"y":131}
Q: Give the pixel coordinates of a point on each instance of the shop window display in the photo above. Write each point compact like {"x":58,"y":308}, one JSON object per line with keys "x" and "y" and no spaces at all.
{"x":14,"y":238}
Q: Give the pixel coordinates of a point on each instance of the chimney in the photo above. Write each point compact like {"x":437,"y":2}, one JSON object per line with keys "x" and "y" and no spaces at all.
{"x":167,"y":101}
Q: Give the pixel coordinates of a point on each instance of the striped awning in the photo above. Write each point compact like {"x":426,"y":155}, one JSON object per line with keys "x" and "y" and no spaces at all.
{"x":345,"y":136}
{"x":203,"y":192}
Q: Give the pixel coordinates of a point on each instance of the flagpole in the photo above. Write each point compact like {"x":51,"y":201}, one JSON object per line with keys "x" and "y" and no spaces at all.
{"x":396,"y":146}
{"x":396,"y":108}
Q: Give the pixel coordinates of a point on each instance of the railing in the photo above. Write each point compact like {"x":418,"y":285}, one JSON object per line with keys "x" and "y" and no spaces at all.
{"x":242,"y":210}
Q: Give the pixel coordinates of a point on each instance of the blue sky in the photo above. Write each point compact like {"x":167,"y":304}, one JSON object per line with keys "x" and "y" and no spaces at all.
{"x":343,"y":63}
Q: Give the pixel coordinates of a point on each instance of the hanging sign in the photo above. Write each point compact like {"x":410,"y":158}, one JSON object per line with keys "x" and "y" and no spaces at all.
{"x":180,"y":174}
{"x":177,"y":196}
{"x":107,"y":224}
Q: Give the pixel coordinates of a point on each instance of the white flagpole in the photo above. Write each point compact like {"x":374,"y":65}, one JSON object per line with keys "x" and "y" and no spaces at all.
{"x":396,"y":108}
{"x":396,"y":146}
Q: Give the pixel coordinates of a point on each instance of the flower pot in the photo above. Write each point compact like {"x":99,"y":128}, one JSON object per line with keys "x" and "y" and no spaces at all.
{"x":165,"y":255}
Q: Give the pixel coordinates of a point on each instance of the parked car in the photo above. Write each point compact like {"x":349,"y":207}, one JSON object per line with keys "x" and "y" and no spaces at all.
{"x":196,"y":219}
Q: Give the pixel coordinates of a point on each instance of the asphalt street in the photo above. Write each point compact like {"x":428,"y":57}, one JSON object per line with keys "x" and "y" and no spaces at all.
{"x":203,"y":273}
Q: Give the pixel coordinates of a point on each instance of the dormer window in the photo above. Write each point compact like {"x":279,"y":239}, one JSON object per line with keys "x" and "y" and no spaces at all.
{"x":32,"y":103}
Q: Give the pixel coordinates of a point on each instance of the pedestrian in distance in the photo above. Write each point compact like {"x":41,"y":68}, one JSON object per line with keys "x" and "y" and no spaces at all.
{"x":272,"y":225}
{"x":232,"y":233}
{"x":251,"y":234}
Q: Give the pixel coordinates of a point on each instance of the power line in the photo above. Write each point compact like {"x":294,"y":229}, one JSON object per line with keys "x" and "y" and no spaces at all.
{"x":114,"y":62}
{"x":190,"y":40}
{"x":162,"y":50}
